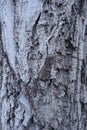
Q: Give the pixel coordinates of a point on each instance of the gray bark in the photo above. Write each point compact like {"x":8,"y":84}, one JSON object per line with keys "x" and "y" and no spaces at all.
{"x":43,"y":64}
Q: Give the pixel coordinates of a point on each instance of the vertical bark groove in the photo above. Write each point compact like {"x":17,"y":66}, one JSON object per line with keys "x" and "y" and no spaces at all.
{"x":43,"y":64}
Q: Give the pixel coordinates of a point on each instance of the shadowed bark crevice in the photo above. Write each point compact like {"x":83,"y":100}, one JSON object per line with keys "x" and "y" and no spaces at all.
{"x":43,"y":76}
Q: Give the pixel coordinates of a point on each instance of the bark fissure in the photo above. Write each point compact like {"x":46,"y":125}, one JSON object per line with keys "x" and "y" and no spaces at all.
{"x":43,"y":64}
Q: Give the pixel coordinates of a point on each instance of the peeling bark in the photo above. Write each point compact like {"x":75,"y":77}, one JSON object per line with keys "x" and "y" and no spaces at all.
{"x":43,"y":64}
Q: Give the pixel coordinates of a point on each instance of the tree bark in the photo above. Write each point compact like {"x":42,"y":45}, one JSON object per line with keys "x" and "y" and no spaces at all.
{"x":43,"y":64}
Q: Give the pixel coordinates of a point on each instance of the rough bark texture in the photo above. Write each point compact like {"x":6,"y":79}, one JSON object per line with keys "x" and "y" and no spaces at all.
{"x":43,"y":64}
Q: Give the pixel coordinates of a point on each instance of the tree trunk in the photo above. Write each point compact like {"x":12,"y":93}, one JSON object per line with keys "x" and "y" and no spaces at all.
{"x":43,"y":64}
